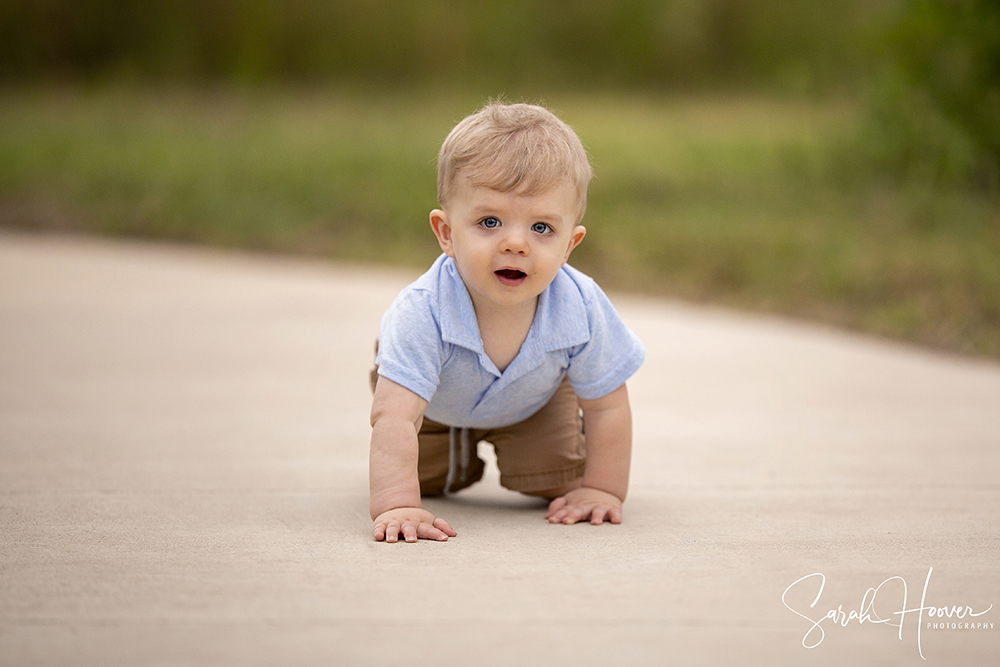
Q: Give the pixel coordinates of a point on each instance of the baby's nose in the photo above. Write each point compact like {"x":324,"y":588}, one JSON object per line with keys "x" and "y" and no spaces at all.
{"x":515,"y":242}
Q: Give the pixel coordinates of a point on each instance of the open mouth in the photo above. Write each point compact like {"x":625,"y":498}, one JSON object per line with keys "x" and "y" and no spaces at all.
{"x":511,"y":276}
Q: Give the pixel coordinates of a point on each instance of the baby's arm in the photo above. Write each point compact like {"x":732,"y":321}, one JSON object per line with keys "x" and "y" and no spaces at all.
{"x":608,"y":423}
{"x":393,"y":481}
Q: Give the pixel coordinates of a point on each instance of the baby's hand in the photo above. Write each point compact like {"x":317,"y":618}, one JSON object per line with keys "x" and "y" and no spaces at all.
{"x":411,"y":523}
{"x":583,"y":503}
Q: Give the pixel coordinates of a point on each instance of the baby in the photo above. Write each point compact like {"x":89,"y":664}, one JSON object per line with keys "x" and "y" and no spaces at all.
{"x":501,"y":341}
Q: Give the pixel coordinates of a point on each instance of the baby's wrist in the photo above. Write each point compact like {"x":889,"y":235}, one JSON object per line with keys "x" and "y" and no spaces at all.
{"x":379,"y":506}
{"x":603,"y":489}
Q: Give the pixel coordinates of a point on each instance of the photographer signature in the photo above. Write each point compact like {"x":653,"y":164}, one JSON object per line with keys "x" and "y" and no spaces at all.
{"x":865,"y":613}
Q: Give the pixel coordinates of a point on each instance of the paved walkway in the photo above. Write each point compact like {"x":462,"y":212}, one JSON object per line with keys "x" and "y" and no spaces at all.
{"x":183,"y":480}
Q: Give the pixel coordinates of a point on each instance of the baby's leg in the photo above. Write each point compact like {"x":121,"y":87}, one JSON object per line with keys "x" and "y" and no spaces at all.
{"x":435,"y":461}
{"x":545,"y":454}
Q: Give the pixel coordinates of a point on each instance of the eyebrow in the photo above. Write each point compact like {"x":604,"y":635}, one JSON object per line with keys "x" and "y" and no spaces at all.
{"x":485,"y":209}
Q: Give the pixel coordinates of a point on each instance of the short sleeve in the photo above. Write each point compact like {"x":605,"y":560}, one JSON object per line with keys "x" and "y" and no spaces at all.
{"x":409,"y":346}
{"x":611,"y":356}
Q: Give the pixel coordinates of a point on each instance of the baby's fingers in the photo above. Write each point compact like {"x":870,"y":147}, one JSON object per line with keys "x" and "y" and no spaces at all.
{"x":560,"y":510}
{"x":444,"y":527}
{"x":568,"y":514}
{"x":378,"y":532}
{"x":410,"y":531}
{"x":600,"y":514}
{"x":555,"y":506}
{"x":426,"y":531}
{"x":577,"y":513}
{"x":389,"y":531}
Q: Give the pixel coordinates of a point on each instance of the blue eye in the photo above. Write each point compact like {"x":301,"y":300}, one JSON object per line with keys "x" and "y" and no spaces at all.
{"x":490,"y":223}
{"x":540,"y":228}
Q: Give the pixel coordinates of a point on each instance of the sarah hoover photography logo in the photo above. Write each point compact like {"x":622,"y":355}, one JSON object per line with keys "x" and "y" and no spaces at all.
{"x":891,"y":598}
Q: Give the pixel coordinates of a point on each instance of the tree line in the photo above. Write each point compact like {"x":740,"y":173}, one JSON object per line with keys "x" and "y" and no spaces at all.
{"x":638,"y":43}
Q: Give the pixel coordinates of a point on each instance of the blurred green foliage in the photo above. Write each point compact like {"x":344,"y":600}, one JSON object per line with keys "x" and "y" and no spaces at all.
{"x":932,"y":66}
{"x":935,"y":111}
{"x":649,"y":43}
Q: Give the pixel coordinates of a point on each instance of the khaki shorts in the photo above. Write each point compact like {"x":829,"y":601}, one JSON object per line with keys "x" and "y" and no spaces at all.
{"x":545,"y":451}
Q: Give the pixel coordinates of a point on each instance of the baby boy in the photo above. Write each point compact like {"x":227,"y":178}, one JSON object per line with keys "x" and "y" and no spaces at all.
{"x":501,"y":341}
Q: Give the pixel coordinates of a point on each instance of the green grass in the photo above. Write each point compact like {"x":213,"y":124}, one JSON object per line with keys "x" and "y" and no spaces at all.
{"x":758,"y":203}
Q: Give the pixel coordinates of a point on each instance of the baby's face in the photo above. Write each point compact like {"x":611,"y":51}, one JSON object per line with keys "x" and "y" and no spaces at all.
{"x":508,"y":247}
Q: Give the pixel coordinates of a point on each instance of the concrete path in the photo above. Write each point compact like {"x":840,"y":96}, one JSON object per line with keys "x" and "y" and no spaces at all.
{"x":183,"y":480}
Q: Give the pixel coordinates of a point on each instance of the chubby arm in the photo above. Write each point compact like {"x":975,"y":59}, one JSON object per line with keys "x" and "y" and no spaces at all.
{"x":394,"y":485}
{"x":608,"y":422}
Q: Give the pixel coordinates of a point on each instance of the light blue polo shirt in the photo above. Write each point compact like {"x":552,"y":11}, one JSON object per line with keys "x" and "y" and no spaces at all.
{"x":429,"y":343}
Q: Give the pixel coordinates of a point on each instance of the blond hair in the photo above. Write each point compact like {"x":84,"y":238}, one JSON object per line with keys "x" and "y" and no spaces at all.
{"x":513,"y":147}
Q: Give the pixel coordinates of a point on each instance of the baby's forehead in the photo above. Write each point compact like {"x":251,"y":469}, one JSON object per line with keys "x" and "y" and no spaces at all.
{"x":525,"y":183}
{"x":484,"y":189}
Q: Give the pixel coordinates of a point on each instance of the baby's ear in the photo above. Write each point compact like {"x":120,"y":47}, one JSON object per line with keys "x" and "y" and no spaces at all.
{"x":442,"y":230}
{"x":574,"y":240}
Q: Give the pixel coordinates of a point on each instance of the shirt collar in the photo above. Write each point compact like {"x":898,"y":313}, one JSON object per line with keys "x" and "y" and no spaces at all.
{"x":458,"y":317}
{"x":560,"y":318}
